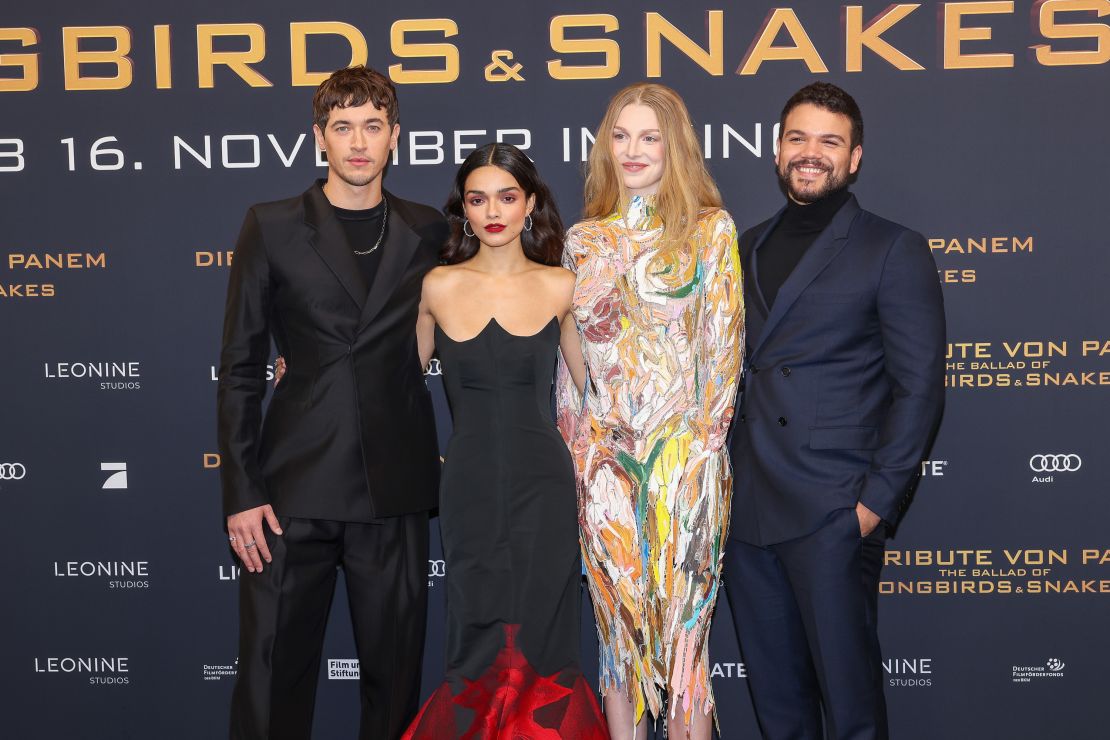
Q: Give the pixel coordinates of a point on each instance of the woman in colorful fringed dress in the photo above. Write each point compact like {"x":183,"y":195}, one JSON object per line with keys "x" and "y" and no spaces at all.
{"x":660,"y":312}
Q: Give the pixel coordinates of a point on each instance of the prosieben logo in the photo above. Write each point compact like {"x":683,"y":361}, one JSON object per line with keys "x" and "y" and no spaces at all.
{"x":118,"y":478}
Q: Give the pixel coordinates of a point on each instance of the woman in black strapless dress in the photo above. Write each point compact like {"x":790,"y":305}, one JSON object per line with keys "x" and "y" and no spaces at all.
{"x":497,"y":314}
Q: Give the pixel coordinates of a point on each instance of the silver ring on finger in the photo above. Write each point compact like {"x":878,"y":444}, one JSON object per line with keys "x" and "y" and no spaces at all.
{"x":250,"y":544}
{"x":231,"y":539}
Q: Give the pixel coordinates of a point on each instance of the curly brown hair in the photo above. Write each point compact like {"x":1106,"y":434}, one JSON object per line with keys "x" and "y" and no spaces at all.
{"x":355,"y":86}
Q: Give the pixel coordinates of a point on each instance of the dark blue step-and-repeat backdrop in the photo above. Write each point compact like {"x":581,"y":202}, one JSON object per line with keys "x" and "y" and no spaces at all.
{"x":134,"y":136}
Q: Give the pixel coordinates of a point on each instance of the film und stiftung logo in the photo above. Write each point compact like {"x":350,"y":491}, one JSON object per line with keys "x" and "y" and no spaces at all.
{"x":342,"y":669}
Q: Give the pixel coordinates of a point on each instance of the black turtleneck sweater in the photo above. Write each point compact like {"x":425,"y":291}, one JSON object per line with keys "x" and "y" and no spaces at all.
{"x":363,"y":229}
{"x":796,"y":231}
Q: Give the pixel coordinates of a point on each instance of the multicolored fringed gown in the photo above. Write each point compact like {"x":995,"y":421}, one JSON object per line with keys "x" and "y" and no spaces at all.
{"x":662,"y":329}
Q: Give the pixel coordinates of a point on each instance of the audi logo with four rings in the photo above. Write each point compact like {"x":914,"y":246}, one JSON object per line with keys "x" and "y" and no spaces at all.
{"x":437,"y":568}
{"x":12,"y":471}
{"x":1055,"y":463}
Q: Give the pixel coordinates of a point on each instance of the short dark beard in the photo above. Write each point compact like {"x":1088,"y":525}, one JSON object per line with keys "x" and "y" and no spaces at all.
{"x":832,"y":182}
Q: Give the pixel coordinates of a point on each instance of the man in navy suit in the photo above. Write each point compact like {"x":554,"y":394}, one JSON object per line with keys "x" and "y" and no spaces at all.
{"x":842,"y":391}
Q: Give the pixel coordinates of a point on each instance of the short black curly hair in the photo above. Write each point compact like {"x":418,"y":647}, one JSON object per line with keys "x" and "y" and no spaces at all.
{"x":831,"y":98}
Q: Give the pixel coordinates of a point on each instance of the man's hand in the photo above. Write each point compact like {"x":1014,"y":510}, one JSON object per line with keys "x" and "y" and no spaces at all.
{"x":868,"y":520}
{"x":244,"y":530}
{"x":279,"y":369}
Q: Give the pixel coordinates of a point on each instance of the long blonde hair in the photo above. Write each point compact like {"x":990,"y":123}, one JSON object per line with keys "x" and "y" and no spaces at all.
{"x":686,"y":188}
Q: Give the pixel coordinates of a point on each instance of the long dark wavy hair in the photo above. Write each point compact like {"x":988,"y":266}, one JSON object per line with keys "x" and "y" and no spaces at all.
{"x":543,"y":243}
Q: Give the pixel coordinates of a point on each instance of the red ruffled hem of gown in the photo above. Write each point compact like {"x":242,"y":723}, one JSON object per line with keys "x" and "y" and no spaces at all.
{"x":510,"y":701}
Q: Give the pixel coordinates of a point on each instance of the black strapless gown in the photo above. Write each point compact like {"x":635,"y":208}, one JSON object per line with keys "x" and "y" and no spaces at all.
{"x":509,"y":521}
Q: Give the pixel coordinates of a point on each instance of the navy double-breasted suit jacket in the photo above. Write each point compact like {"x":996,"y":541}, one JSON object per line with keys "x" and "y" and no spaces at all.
{"x":843,"y":382}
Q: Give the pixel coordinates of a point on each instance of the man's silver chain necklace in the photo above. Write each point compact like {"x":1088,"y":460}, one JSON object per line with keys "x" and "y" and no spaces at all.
{"x":378,"y":243}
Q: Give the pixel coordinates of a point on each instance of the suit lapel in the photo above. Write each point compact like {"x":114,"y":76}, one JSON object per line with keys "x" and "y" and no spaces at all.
{"x":761,"y":301}
{"x":757,"y":304}
{"x":398,"y":249}
{"x":330,"y":242}
{"x":828,"y":244}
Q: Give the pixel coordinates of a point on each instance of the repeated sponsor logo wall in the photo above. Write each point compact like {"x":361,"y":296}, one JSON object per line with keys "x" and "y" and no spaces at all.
{"x":139,"y":137}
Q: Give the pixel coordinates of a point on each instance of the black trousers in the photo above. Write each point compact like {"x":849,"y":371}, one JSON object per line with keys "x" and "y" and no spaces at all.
{"x":805,"y":616}
{"x":283,"y":612}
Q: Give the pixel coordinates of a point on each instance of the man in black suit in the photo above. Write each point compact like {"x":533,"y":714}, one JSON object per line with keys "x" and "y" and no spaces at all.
{"x":344,"y":467}
{"x":842,"y":391}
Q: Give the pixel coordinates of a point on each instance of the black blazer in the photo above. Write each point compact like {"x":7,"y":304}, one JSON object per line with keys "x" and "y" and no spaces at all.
{"x":349,"y":433}
{"x":843,"y":381}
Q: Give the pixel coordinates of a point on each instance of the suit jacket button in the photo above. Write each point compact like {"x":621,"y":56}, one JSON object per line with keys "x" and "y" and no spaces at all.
{"x":782,"y":421}
{"x":754,"y":369}
{"x":785,"y":372}
{"x":743,"y":418}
